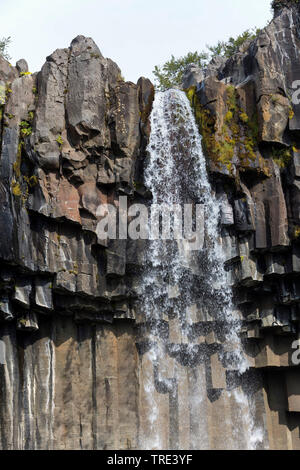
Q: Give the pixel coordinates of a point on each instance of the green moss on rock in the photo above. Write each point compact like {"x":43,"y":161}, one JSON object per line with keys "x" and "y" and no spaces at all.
{"x":237,"y":137}
{"x":282,"y":156}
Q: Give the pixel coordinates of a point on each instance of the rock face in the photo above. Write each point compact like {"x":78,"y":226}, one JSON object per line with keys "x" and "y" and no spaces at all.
{"x":248,"y":113}
{"x":73,"y":138}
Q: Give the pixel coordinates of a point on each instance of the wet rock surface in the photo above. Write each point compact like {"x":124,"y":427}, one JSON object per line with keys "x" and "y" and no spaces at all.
{"x":73,"y":138}
{"x":248,"y":115}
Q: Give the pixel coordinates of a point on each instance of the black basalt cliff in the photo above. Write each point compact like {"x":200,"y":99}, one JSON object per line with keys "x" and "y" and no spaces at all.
{"x":74,"y":137}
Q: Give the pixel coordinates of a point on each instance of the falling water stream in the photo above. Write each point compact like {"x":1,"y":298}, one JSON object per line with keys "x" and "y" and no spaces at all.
{"x":186,"y":298}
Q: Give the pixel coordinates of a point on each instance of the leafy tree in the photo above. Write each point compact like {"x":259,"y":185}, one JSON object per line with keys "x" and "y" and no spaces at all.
{"x":233,"y":45}
{"x":170,"y":74}
{"x":4,"y":43}
{"x":229,"y":48}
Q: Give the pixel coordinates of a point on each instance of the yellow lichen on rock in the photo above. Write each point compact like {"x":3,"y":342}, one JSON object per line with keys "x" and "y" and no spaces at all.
{"x":236,"y":137}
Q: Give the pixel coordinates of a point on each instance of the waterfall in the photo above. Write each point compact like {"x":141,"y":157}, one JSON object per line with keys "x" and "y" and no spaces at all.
{"x":193,"y":360}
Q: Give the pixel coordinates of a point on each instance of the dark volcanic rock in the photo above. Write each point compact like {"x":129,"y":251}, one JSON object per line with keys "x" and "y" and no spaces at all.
{"x":74,"y":138}
{"x":248,"y":113}
{"x":71,"y":140}
{"x":22,"y":66}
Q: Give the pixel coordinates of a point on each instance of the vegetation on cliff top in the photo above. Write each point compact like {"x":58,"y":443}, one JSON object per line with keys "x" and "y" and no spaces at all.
{"x":170,"y":74}
{"x":4,"y":43}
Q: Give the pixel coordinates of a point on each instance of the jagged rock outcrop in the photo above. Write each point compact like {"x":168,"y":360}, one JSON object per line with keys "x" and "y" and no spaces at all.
{"x":73,"y":138}
{"x":248,"y":114}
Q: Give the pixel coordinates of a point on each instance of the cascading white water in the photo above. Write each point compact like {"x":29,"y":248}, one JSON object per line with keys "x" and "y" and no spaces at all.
{"x":176,"y":282}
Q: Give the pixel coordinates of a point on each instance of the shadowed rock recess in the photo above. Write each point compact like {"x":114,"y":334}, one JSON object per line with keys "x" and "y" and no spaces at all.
{"x":74,"y":137}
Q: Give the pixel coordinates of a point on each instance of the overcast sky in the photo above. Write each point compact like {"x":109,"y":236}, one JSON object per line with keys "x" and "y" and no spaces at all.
{"x":137,"y":34}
